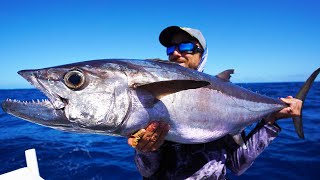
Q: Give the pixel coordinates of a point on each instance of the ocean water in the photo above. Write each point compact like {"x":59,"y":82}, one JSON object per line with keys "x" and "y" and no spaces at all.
{"x":63,"y":155}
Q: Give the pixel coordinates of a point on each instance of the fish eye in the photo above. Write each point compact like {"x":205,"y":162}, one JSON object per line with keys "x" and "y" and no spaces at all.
{"x":74,"y":79}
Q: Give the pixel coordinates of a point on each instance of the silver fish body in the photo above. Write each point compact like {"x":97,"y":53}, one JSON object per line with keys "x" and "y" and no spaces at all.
{"x":121,"y":96}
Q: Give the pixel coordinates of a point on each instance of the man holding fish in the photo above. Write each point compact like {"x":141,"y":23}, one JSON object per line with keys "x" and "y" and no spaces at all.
{"x":159,"y":159}
{"x":201,"y":117}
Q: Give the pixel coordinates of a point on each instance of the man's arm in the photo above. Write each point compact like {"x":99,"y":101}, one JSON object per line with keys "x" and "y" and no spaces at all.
{"x":260,"y":137}
{"x":147,"y":162}
{"x":240,"y":159}
{"x":147,"y":156}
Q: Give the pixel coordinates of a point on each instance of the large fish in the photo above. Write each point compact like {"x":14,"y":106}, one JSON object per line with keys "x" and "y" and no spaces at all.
{"x":121,"y":96}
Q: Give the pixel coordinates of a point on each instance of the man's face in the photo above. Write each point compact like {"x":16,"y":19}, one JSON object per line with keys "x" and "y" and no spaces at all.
{"x":185,"y":59}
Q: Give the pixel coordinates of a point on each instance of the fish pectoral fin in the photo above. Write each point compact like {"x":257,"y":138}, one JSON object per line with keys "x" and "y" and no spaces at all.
{"x":238,"y":139}
{"x":163,"y":88}
{"x":225,"y":75}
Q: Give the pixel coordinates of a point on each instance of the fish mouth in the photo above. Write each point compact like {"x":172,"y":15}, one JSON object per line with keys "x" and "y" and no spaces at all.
{"x":40,"y":112}
{"x":31,"y":76}
{"x":47,"y":112}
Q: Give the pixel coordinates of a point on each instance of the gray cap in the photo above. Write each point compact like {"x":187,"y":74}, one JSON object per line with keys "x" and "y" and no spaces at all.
{"x":166,"y":35}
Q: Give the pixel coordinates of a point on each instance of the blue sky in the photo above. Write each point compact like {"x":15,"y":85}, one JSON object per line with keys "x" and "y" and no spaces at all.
{"x":263,"y":40}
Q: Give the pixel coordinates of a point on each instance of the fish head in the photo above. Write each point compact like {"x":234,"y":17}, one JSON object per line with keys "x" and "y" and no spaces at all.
{"x":88,"y":96}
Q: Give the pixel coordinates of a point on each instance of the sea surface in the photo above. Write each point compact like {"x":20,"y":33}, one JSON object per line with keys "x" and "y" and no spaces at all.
{"x":64,"y":155}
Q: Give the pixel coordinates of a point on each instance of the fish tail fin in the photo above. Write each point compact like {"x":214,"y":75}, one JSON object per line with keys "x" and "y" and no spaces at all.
{"x":297,"y":121}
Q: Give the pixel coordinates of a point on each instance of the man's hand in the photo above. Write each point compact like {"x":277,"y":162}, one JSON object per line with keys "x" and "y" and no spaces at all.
{"x":151,"y":138}
{"x":293,"y":110}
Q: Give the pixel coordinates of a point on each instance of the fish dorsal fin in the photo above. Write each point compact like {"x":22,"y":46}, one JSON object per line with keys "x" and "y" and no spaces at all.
{"x":156,"y":59}
{"x":163,"y":88}
{"x":225,"y":75}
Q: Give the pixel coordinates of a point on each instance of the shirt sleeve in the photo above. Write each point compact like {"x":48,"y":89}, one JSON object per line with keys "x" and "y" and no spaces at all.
{"x":147,"y":163}
{"x":240,"y":159}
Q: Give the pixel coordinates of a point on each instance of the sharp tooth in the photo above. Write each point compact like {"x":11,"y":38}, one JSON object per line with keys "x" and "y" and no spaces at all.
{"x":33,"y":101}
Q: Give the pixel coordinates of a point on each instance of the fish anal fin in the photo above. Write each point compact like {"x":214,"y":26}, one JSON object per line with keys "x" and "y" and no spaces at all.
{"x":238,"y":139}
{"x":225,"y":75}
{"x":163,"y":88}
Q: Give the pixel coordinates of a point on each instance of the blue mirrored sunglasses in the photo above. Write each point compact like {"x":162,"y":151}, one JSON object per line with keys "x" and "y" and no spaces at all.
{"x":184,"y":48}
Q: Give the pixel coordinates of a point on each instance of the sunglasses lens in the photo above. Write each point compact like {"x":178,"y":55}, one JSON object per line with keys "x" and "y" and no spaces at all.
{"x":170,"y":50}
{"x":183,"y":47}
{"x":186,"y":47}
